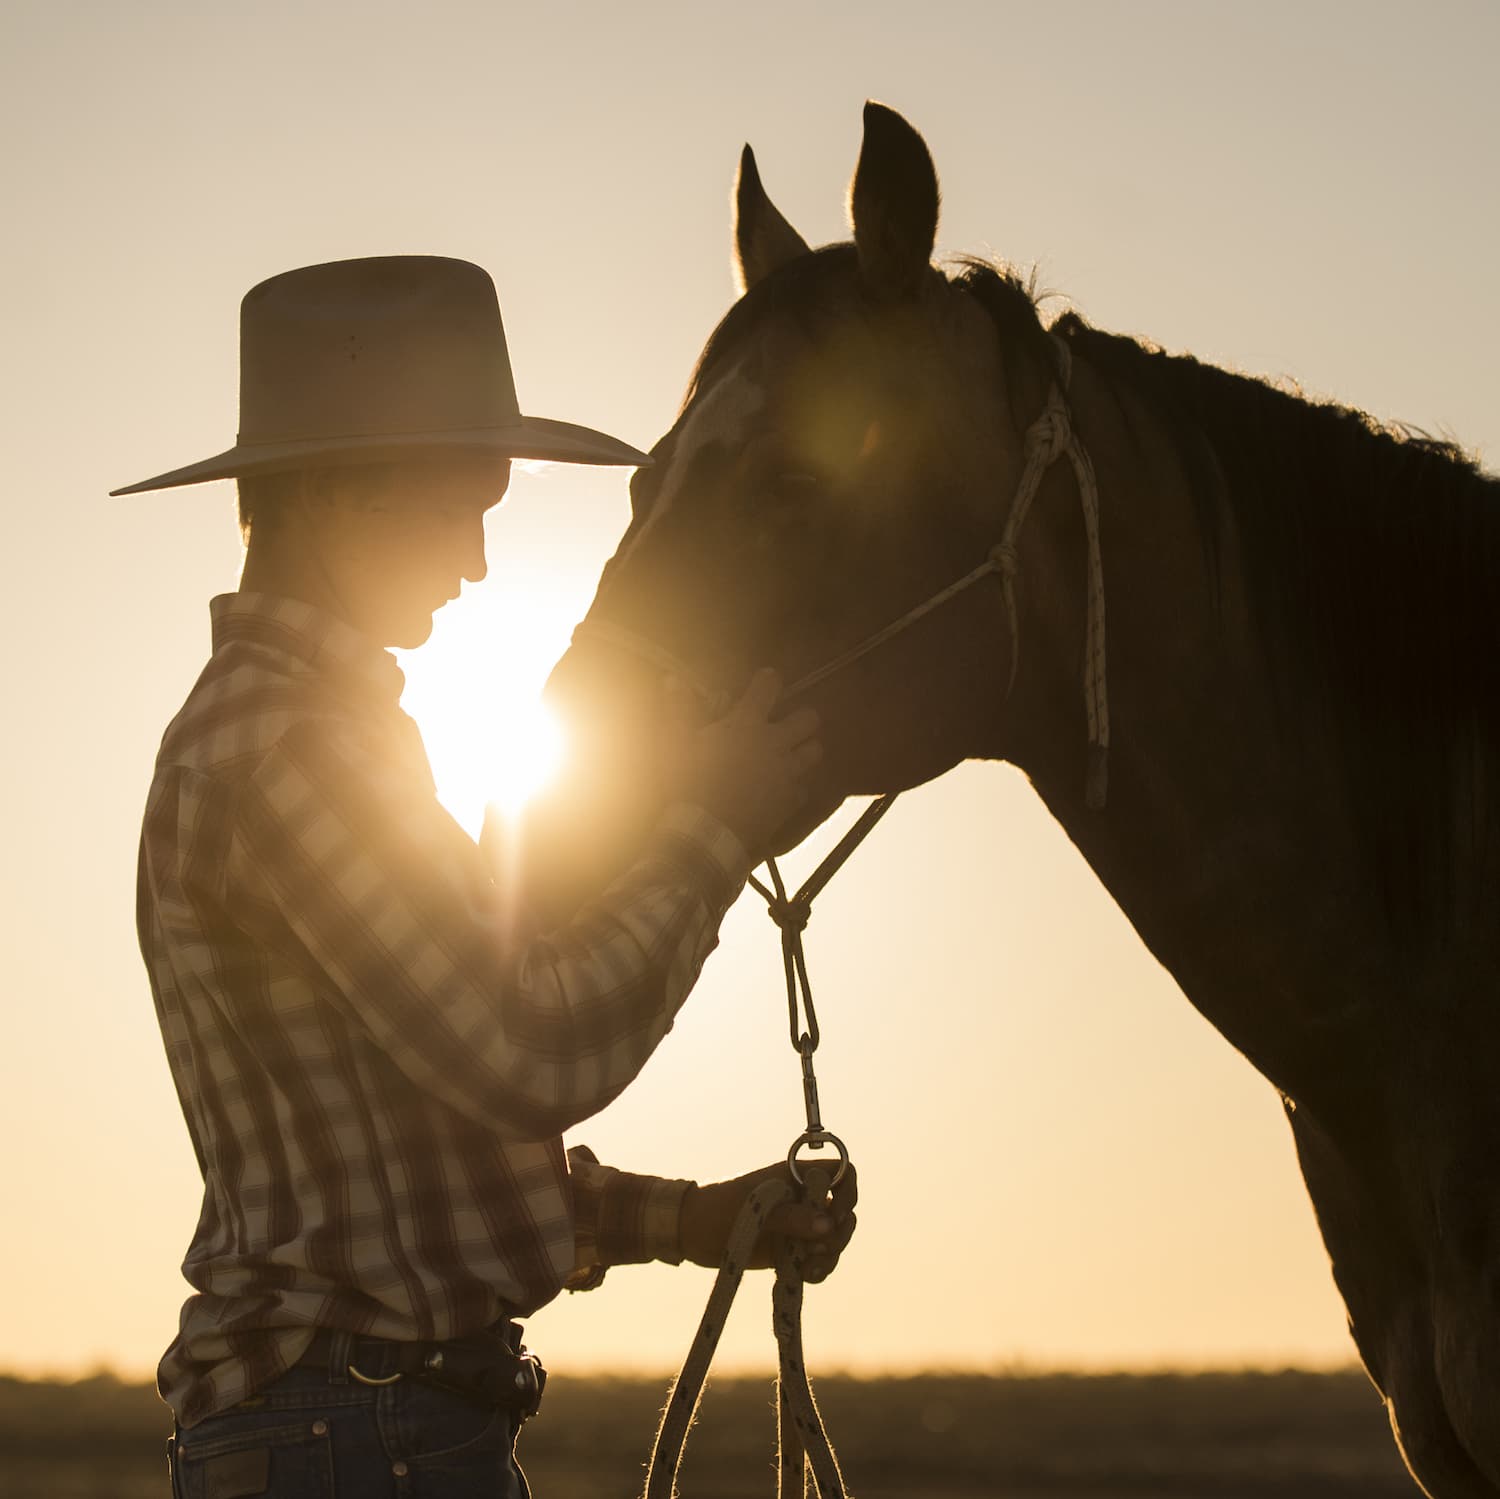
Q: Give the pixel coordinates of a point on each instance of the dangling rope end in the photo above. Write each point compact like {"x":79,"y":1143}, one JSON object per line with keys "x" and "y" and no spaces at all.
{"x":1013,"y":621}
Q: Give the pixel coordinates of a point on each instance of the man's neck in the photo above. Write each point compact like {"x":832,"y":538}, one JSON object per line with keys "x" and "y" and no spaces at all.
{"x":278,"y":564}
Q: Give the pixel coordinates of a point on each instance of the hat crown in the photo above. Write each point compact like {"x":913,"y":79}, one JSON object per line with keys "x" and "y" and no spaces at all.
{"x":366,"y":361}
{"x":381,"y":347}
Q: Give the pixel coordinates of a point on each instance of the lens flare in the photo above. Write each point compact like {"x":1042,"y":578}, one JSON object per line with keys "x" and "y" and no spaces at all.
{"x":528,"y":759}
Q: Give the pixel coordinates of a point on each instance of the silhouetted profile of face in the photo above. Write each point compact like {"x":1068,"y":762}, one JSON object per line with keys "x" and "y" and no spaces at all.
{"x":398,"y":541}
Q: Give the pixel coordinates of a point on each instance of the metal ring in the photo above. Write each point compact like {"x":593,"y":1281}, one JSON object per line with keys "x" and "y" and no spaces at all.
{"x":816,"y":1139}
{"x":365,"y":1378}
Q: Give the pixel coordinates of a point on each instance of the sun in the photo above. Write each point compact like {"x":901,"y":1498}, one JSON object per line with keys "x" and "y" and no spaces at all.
{"x":475,"y":691}
{"x":528,"y":758}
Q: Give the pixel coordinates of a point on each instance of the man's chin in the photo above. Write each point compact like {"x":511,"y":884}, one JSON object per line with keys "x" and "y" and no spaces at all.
{"x":407,"y":635}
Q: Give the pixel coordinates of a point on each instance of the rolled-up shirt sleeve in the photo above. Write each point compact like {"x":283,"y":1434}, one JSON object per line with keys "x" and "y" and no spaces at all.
{"x":336,"y":857}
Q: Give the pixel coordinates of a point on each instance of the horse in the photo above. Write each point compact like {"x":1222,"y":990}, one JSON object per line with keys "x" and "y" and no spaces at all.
{"x":1238,"y":642}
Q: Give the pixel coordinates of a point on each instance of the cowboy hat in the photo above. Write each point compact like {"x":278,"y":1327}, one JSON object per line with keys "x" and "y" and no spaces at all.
{"x":362,"y":360}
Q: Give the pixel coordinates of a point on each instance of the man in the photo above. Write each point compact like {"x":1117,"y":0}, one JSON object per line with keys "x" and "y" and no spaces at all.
{"x":375,"y":1069}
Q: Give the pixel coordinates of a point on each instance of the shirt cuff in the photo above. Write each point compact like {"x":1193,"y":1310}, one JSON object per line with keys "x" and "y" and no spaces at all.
{"x":621,"y":1218}
{"x":708,"y":847}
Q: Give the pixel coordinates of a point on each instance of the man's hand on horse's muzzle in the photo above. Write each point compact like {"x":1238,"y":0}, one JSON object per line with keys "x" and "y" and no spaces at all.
{"x":822,"y":1228}
{"x":749,"y":769}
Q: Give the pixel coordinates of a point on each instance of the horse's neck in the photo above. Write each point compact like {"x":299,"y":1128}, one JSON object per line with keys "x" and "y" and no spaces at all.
{"x":1242,"y":866}
{"x":1224,"y":859}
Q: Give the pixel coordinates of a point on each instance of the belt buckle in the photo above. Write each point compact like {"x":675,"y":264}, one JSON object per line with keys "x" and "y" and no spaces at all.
{"x":369,"y":1379}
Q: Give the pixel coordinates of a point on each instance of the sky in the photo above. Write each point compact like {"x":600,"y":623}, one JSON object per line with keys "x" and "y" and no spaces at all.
{"x":1062,"y":1164}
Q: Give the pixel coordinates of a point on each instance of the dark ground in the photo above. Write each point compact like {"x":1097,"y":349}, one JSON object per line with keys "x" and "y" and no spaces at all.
{"x":1206,"y":1436}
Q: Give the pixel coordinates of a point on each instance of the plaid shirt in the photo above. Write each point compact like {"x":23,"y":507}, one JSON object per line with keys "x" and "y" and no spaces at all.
{"x":374,"y":1073}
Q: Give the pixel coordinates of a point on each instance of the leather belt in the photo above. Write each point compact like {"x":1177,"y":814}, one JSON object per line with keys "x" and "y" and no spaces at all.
{"x":492,"y":1367}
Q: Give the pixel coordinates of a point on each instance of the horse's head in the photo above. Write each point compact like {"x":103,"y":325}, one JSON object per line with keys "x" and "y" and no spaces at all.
{"x":845,"y":452}
{"x":861,"y":434}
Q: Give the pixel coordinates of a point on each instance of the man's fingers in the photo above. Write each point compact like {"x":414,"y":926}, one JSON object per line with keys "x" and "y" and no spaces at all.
{"x":820,"y":1257}
{"x":802,"y":1220}
{"x":807,"y":755}
{"x":846,"y":1192}
{"x":844,"y":1232}
{"x":796,"y":728}
{"x":758,"y":698}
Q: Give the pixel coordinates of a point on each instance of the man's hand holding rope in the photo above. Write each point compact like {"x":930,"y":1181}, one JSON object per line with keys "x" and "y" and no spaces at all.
{"x":823,"y":1227}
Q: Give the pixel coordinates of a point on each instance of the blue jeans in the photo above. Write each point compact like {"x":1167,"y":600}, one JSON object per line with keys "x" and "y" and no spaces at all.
{"x":313,"y":1434}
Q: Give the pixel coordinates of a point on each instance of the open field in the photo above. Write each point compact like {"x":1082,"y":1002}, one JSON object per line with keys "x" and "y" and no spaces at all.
{"x":1206,"y":1436}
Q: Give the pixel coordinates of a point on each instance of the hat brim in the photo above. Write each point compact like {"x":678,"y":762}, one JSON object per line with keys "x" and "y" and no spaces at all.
{"x":537,"y":437}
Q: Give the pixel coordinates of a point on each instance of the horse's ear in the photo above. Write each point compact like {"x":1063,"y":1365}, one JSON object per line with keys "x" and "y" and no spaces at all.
{"x":763,"y":240}
{"x":893,"y":204}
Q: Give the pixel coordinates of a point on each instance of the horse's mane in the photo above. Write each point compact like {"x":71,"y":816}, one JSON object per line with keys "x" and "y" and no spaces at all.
{"x":1371,"y":562}
{"x":1371,"y":557}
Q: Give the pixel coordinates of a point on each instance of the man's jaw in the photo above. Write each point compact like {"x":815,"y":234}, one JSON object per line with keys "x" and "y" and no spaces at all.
{"x":405,"y":632}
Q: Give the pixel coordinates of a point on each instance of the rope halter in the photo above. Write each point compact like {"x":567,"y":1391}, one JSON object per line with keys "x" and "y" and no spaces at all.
{"x":1049,"y":437}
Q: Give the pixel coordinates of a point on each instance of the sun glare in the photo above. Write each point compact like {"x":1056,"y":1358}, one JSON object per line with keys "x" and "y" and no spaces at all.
{"x":529,"y":756}
{"x":474,"y":690}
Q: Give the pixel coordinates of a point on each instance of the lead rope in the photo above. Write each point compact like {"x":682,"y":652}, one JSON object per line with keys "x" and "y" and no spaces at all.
{"x":803,"y":1448}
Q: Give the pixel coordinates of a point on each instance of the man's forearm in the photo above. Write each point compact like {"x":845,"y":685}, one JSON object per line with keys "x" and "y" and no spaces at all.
{"x":391,"y":901}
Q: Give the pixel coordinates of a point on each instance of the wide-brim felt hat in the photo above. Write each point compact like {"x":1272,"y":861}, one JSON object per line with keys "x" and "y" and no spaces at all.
{"x":396,"y":356}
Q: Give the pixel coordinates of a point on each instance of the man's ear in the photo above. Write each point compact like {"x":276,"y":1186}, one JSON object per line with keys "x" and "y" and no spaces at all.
{"x":893,"y":205}
{"x":763,"y":240}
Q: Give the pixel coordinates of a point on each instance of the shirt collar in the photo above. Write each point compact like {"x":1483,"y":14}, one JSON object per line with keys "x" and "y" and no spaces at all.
{"x":313,"y":636}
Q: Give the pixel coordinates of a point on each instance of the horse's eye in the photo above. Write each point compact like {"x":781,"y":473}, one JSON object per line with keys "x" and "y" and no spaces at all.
{"x":794,"y":486}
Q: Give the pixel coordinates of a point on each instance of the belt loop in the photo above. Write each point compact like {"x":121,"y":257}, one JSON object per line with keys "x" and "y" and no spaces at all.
{"x":340,"y":1356}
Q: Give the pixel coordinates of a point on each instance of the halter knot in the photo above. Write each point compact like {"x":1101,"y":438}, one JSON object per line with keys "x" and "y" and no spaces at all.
{"x":790,"y":915}
{"x":1050,"y":434}
{"x":1005,"y":559}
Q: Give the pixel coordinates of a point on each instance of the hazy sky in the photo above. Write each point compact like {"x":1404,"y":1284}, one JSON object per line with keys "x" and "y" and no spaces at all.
{"x":1061,"y":1162}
